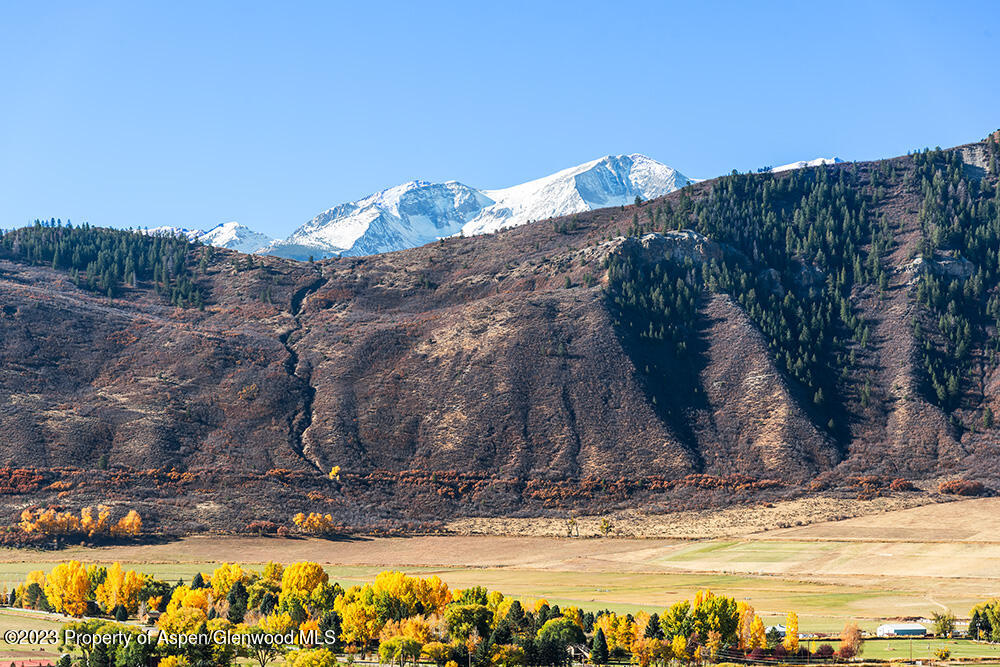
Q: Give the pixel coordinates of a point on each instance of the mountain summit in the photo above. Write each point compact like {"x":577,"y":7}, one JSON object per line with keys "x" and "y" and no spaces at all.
{"x":613,"y":180}
{"x":404,"y":216}
{"x":418,"y":212}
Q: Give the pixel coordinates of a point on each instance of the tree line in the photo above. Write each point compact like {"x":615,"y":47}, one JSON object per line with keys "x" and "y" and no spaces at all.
{"x":108,"y":261}
{"x":398,"y":618}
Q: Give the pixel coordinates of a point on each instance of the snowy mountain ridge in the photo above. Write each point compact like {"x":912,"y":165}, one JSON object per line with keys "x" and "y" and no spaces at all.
{"x":404,"y":216}
{"x":418,"y":212}
{"x":230,"y":235}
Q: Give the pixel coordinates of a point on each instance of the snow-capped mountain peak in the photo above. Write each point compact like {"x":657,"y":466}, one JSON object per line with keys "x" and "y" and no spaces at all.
{"x":167,"y":230}
{"x":235,"y":236}
{"x":802,"y":164}
{"x":403,"y":216}
{"x":419,"y":212}
{"x":230,"y":235}
{"x":612,"y":180}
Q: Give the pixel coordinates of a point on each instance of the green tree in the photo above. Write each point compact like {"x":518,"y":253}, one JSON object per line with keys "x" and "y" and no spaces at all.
{"x":562,"y":630}
{"x":653,"y":628}
{"x":237,"y":599}
{"x":599,"y":648}
{"x":944,"y":624}
{"x":464,"y":619}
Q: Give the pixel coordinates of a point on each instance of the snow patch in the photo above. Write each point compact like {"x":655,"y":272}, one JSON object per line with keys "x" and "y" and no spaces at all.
{"x":802,"y":164}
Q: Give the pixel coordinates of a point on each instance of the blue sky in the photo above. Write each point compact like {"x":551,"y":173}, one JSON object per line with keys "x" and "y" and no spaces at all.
{"x":195,"y":113}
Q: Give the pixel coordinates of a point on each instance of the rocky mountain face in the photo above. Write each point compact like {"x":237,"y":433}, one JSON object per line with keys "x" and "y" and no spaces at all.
{"x":405,"y":216}
{"x":419,"y":212}
{"x":752,"y":337}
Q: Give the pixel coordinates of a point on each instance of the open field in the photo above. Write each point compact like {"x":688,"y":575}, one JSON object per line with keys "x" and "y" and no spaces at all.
{"x":908,"y":562}
{"x":740,"y":520}
{"x":925,"y":648}
{"x":18,"y":619}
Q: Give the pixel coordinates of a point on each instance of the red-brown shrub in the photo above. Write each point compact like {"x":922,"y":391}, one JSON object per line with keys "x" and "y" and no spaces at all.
{"x":900,"y":484}
{"x":962,"y":487}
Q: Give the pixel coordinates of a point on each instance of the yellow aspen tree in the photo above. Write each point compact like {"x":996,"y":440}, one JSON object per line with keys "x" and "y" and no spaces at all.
{"x":678,"y":646}
{"x":175,"y":661}
{"x":131,"y":588}
{"x":120,"y":588}
{"x":181,"y":620}
{"x":574,"y":614}
{"x":92,"y":526}
{"x":277,"y":623}
{"x":746,"y":613}
{"x":303,"y":577}
{"x":308,"y":629}
{"x":433,"y":594}
{"x":792,"y":632}
{"x":186,"y":598}
{"x":360,"y":623}
{"x":417,"y":628}
{"x":714,"y":643}
{"x":109,"y":593}
{"x":225,"y":577}
{"x":273,"y":571}
{"x":129,"y":525}
{"x":643,"y":650}
{"x":758,"y":636}
{"x":68,"y":587}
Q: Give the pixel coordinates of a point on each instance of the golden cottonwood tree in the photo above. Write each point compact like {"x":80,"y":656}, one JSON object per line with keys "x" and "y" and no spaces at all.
{"x":68,"y":588}
{"x":758,"y":636}
{"x":792,"y":632}
{"x":303,"y":578}
{"x":225,"y":577}
{"x":120,"y":588}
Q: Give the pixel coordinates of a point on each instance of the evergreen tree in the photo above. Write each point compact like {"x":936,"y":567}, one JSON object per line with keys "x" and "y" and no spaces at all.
{"x":237,"y":599}
{"x":653,"y":629}
{"x":599,"y":648}
{"x":99,"y":657}
{"x":515,"y":615}
{"x":200,"y":654}
{"x":330,"y":621}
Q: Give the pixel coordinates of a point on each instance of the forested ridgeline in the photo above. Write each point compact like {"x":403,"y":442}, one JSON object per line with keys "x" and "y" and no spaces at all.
{"x":109,"y":261}
{"x":796,"y":247}
{"x":796,"y":250}
{"x":960,"y":250}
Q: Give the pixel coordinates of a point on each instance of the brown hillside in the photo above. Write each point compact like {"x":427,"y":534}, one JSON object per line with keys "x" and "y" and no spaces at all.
{"x":480,"y":376}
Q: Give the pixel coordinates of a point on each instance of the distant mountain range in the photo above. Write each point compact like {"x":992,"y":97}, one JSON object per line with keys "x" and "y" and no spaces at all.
{"x":419,"y":212}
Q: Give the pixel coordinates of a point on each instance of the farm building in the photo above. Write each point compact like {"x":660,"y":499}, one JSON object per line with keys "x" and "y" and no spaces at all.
{"x":901,"y":630}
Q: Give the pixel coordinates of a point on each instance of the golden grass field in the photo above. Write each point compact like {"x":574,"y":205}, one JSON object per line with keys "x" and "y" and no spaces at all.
{"x":896,"y":562}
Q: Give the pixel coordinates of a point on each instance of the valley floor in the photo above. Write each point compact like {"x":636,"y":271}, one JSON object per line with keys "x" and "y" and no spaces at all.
{"x":898,"y":563}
